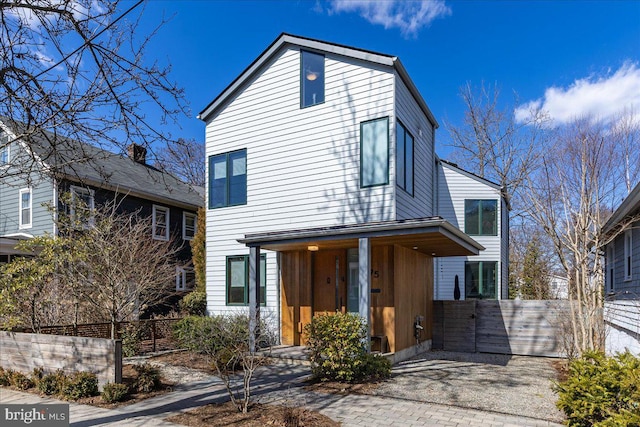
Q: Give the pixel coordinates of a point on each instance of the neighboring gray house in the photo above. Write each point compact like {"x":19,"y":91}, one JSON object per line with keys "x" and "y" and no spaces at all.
{"x":478,"y":207}
{"x":24,"y":198}
{"x":622,"y":276}
{"x":322,"y":183}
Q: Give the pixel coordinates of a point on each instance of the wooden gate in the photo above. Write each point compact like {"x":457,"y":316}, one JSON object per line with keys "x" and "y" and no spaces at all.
{"x":506,"y":327}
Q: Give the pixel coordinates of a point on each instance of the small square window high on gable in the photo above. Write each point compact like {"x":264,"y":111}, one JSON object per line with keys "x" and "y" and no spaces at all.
{"x":481,"y":217}
{"x":311,"y":79}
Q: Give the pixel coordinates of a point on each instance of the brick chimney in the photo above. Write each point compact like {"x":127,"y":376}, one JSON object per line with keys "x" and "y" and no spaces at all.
{"x":137,"y":153}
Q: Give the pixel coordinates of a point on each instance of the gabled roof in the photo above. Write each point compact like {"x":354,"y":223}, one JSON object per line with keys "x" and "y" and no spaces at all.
{"x":455,"y":167}
{"x":286,"y":40}
{"x":90,"y":165}
{"x":629,"y":206}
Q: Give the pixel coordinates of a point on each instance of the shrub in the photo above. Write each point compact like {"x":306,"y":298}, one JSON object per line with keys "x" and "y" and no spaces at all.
{"x":5,"y":377}
{"x":194,"y":304}
{"x":51,"y":384}
{"x":79,"y":385}
{"x":601,"y":391}
{"x":336,"y":350}
{"x":20,"y":381}
{"x":115,"y":392}
{"x":131,"y":337}
{"x":36,"y":375}
{"x":147,"y":378}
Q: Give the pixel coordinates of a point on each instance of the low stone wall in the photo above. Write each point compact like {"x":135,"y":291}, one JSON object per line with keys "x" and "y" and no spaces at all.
{"x":23,"y":352}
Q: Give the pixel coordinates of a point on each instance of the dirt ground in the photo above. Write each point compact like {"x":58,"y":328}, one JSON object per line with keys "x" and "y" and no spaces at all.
{"x":227,"y":414}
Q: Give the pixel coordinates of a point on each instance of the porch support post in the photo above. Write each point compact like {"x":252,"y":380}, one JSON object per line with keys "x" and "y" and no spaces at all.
{"x":254,"y":296}
{"x":364,"y":278}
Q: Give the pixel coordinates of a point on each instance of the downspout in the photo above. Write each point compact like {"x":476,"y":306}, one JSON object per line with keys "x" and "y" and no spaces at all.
{"x":278,"y":301}
{"x":435,"y":210}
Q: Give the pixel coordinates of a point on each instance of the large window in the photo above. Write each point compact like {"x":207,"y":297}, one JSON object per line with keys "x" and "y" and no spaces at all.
{"x":628,"y":254}
{"x":160,"y":223}
{"x":311,"y":79}
{"x":189,"y":224}
{"x":481,"y":279}
{"x":228,"y":179}
{"x":82,"y":206}
{"x":238,"y":279}
{"x":480,"y":217}
{"x":404,"y":159}
{"x":374,"y":152}
{"x":25,"y":208}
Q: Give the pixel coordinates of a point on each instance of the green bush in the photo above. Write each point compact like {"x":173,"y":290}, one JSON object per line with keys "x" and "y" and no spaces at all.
{"x":36,"y":375}
{"x":194,"y":304}
{"x":20,"y":381}
{"x":115,"y":392}
{"x":51,"y":384}
{"x":336,"y":350}
{"x":131,"y":337}
{"x":147,"y":378}
{"x":79,"y":385}
{"x":601,"y":391}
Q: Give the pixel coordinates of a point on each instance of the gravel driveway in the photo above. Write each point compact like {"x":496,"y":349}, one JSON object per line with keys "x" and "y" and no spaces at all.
{"x":515,"y":385}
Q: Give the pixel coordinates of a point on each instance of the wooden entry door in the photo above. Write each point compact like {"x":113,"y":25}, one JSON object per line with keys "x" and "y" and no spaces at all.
{"x":329,"y":269}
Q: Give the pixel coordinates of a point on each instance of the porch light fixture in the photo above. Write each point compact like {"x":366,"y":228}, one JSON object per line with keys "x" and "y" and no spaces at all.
{"x":312,"y":248}
{"x":415,"y":248}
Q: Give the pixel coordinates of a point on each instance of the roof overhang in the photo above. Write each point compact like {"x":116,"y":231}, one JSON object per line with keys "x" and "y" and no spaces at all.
{"x":629,"y":207}
{"x":8,"y":243}
{"x":432,"y":236}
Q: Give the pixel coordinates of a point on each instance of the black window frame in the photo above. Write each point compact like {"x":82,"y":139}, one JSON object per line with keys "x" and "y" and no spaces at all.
{"x":304,"y":81}
{"x":481,"y":282}
{"x":263,"y":280}
{"x":228,"y":184}
{"x":406,"y":177}
{"x":386,"y":180}
{"x":467,"y":224}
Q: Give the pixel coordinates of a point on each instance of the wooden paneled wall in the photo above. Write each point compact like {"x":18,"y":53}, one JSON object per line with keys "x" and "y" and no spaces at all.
{"x":413,"y":281}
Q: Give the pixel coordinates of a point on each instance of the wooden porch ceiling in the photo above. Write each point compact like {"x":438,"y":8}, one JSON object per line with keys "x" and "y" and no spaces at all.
{"x":431,"y":236}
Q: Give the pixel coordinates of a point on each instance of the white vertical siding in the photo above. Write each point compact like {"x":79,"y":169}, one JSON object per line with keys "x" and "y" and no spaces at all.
{"x":454,"y":187}
{"x":413,"y":118}
{"x":303,"y":165}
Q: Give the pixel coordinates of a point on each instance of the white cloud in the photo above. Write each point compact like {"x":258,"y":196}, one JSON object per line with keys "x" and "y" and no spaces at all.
{"x":408,"y":16}
{"x":601,"y":98}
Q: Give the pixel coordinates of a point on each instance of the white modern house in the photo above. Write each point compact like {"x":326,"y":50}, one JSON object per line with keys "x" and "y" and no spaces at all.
{"x":324,"y":194}
{"x":622,"y":276}
{"x":478,"y":207}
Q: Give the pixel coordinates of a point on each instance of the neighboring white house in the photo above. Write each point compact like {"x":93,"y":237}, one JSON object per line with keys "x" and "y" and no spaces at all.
{"x":478,"y":207}
{"x":321,"y":166}
{"x":622,"y":276}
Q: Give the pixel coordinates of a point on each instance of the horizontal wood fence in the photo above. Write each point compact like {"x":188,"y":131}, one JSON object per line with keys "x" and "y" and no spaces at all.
{"x":154,"y":334}
{"x":23,"y":352}
{"x":530,"y":328}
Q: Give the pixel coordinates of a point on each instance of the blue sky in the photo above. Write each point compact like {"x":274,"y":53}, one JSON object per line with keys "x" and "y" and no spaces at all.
{"x":569,"y":57}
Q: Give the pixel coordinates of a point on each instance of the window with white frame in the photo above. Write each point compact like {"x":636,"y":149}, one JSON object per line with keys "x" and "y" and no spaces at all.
{"x":628,"y":254}
{"x":189,"y":225}
{"x":25,"y":208}
{"x":185,"y":278}
{"x":4,"y":148}
{"x":160,"y":223}
{"x":82,"y":206}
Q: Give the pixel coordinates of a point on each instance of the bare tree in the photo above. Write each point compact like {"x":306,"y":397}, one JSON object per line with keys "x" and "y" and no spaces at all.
{"x":77,"y":70}
{"x":119,"y":269}
{"x":492,"y":143}
{"x":184,"y":159}
{"x":571,"y":197}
